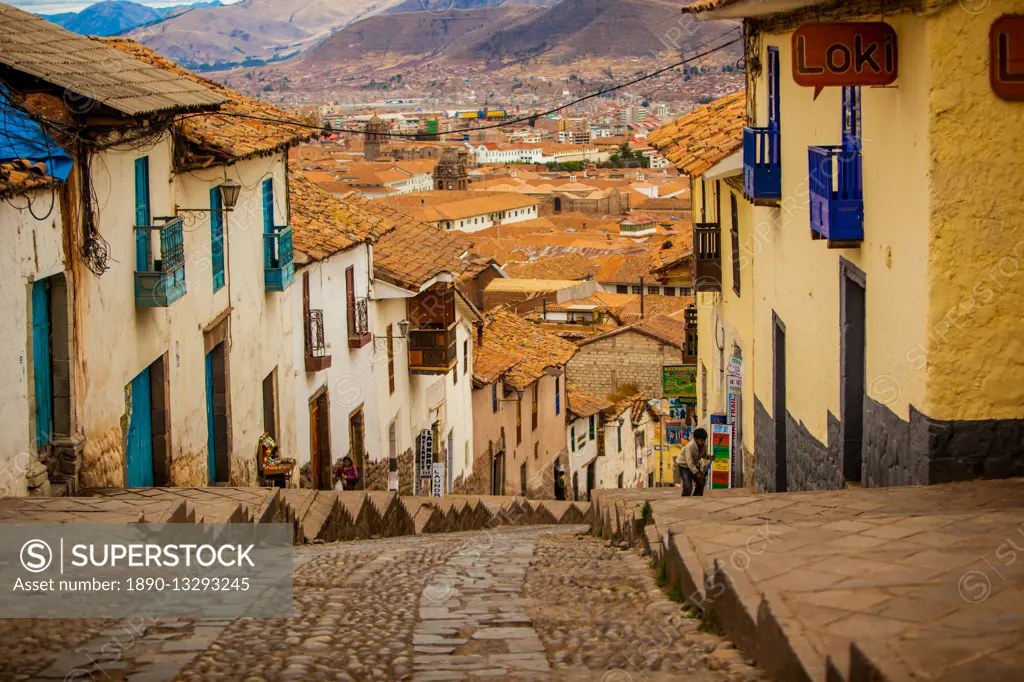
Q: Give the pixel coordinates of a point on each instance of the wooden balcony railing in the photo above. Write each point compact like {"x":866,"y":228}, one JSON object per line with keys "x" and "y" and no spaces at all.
{"x":278,"y":259}
{"x":432,"y":351}
{"x":159,"y":281}
{"x":762,"y":165}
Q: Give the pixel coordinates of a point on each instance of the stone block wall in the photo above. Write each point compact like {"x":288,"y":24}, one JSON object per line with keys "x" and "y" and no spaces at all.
{"x":629,"y":358}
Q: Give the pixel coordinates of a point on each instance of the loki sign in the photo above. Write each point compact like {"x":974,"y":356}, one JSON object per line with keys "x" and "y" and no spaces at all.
{"x":838,"y":54}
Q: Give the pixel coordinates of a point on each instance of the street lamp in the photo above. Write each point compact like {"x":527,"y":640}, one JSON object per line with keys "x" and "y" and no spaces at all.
{"x":403,"y":327}
{"x":520,"y":392}
{"x":229,"y":192}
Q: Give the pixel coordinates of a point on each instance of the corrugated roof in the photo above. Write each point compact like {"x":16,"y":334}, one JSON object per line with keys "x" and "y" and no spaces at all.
{"x":708,"y":134}
{"x":323,"y":224}
{"x":225,"y":136}
{"x":92,"y":71}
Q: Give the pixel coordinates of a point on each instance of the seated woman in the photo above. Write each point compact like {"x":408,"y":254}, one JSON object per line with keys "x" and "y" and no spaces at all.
{"x":347,"y":473}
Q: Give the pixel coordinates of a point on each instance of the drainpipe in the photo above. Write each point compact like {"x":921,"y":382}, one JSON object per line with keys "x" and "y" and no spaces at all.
{"x":641,"y":298}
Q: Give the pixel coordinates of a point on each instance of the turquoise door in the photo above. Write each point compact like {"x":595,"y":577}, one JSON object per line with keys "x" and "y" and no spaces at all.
{"x":140,"y":434}
{"x":41,"y":363}
{"x":211,"y":447}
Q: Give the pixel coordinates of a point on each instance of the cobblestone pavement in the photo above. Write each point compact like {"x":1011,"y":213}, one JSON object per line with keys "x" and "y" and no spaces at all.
{"x":533,"y":603}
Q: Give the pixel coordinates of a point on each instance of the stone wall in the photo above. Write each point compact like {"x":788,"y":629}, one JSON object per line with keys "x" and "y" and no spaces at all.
{"x":810,"y":464}
{"x":103,"y":459}
{"x":406,"y":484}
{"x":629,"y":358}
{"x":375,"y":475}
{"x":479,"y":481}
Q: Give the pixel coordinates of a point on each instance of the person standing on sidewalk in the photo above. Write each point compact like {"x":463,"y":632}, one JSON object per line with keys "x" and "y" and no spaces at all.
{"x":691,"y":463}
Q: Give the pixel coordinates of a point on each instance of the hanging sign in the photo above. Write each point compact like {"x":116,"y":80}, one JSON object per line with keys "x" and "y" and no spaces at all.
{"x":841,"y":53}
{"x":437,"y":480}
{"x":1007,"y":57}
{"x":679,"y":381}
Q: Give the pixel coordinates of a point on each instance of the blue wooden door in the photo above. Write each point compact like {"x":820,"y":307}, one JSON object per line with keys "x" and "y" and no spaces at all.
{"x":210,"y":442}
{"x":142,"y":213}
{"x":140,"y":434}
{"x":41,"y":363}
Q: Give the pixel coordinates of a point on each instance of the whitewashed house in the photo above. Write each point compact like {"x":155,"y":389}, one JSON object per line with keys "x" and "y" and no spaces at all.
{"x":584,"y":432}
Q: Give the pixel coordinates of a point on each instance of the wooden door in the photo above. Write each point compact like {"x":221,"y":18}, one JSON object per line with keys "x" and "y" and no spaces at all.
{"x":315,"y":463}
{"x":140,"y":433}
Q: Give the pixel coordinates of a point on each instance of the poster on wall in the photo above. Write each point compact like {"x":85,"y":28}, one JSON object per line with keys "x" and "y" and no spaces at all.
{"x":673,"y":433}
{"x":721,"y":463}
{"x":679,"y":381}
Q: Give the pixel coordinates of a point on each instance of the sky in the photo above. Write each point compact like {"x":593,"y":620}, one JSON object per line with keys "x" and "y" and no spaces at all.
{"x":58,"y":6}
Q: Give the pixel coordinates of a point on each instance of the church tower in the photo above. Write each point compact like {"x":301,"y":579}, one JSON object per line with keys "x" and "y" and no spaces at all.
{"x":451,"y":172}
{"x":376,"y":138}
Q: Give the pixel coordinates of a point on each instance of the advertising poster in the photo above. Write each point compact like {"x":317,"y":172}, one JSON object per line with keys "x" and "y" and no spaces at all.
{"x":721,"y":464}
{"x":679,"y":381}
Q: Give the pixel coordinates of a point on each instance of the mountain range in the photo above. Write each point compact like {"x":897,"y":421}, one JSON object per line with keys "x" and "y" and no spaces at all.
{"x":113,"y":17}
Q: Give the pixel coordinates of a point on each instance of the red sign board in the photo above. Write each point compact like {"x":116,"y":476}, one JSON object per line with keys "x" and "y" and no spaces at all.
{"x":1007,"y":60}
{"x":835,"y":54}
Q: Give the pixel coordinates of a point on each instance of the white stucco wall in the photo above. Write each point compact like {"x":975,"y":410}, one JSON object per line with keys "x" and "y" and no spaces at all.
{"x":260,"y":337}
{"x":350,"y":380}
{"x":31,"y":250}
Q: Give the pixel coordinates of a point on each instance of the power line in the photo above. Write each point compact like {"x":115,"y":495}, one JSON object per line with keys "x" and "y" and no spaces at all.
{"x":503,"y":124}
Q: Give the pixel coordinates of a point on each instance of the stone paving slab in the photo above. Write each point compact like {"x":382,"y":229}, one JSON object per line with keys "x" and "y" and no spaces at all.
{"x":892,"y":583}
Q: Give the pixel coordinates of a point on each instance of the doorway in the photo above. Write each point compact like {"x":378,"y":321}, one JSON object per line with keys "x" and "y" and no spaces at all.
{"x":576,"y":486}
{"x":357,"y":444}
{"x":498,"y":473}
{"x":320,"y":441}
{"x":42,"y":365}
{"x":217,"y":415}
{"x":779,"y":401}
{"x":853,"y":366}
{"x":522,"y":480}
{"x":140,"y":431}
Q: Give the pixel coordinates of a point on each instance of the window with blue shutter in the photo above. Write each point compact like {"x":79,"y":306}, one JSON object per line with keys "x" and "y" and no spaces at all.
{"x":558,"y":396}
{"x":268,"y":205}
{"x":217,"y":238}
{"x":142,"y":213}
{"x":593,"y":426}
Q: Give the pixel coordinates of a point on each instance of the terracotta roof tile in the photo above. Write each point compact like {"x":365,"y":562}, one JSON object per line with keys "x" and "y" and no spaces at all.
{"x":490,"y":363}
{"x":668,"y":330}
{"x":570,"y":266}
{"x":708,"y":134}
{"x":535,"y":349}
{"x":21,"y":175}
{"x":415,"y":252}
{"x":584,"y":404}
{"x":225,"y":136}
{"x":323,"y":224}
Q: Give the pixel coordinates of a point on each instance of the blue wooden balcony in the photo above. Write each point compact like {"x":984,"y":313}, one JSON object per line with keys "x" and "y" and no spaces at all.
{"x":762,"y":166}
{"x":159,"y":278}
{"x":837,"y":194}
{"x":278,"y":263}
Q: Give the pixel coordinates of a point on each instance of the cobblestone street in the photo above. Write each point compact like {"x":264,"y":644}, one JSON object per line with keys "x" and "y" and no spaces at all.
{"x":535,"y":603}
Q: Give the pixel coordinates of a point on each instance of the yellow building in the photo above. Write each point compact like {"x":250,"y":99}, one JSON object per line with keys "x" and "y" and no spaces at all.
{"x":878,"y":242}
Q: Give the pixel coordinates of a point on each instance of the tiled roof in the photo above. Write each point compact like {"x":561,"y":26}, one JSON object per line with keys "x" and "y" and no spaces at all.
{"x":415,"y":252}
{"x":570,"y":266}
{"x":225,"y":136}
{"x":654,"y":305}
{"x":91,"y":72}
{"x":490,"y":363}
{"x":672,"y":251}
{"x":662,"y":328}
{"x":708,"y":134}
{"x":584,"y":404}
{"x":21,"y":175}
{"x":323,"y":224}
{"x":511,"y":336}
{"x":626,"y":269}
{"x":632,"y":403}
